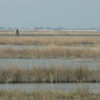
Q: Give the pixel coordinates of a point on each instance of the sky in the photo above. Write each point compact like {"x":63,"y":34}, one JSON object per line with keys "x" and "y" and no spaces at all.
{"x":53,"y":13}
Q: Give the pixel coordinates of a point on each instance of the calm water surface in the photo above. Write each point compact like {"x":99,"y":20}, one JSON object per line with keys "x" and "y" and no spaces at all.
{"x":28,"y":63}
{"x":93,"y":87}
{"x":21,"y":47}
{"x":51,"y":35}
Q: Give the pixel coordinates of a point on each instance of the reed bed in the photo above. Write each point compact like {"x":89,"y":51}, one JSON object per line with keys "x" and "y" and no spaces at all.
{"x":79,"y":94}
{"x":60,"y":41}
{"x":41,"y":74}
{"x":51,"y":52}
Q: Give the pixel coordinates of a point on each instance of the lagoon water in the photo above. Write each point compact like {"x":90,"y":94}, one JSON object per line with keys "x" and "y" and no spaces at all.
{"x":68,"y":87}
{"x":41,"y":35}
{"x":21,"y":47}
{"x":28,"y":63}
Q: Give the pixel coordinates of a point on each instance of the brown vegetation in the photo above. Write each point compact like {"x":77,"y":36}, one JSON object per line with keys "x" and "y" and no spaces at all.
{"x":54,"y":74}
{"x":66,"y":41}
{"x":81,"y":94}
{"x":51,"y":52}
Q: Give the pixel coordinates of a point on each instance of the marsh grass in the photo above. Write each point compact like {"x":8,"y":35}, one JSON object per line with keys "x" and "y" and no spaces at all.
{"x":80,"y":94}
{"x":60,"y":41}
{"x":51,"y":52}
{"x":53,"y":74}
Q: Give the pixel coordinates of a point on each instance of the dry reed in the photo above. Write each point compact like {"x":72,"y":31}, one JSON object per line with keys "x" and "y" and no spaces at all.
{"x":40,"y":74}
{"x":51,"y":52}
{"x":81,"y":94}
{"x":66,"y":41}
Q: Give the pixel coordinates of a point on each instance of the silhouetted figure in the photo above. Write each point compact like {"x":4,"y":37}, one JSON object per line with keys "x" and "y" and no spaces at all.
{"x":17,"y":32}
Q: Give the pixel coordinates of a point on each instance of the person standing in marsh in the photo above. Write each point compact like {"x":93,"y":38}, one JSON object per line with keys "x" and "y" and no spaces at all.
{"x":17,"y":32}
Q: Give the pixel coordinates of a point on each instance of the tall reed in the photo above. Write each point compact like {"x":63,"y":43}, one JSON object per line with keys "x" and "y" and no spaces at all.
{"x":41,"y":74}
{"x":81,"y":94}
{"x":67,"y":41}
{"x":51,"y":52}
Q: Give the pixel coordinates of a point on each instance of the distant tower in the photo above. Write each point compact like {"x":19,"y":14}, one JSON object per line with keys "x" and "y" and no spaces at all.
{"x":17,"y":32}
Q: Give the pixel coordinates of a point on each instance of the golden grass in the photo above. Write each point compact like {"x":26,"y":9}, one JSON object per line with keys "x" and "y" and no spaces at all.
{"x":51,"y":52}
{"x":53,"y":74}
{"x":66,"y":41}
{"x":81,"y":94}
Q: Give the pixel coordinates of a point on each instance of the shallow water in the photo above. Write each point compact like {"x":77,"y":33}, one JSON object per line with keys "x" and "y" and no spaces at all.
{"x":68,"y":87}
{"x":35,"y":35}
{"x":28,"y":63}
{"x":21,"y":47}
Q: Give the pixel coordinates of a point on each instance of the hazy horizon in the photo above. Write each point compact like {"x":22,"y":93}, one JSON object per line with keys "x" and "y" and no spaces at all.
{"x":70,"y":14}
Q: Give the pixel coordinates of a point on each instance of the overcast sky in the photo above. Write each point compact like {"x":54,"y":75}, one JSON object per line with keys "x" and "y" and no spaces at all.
{"x":65,"y":13}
